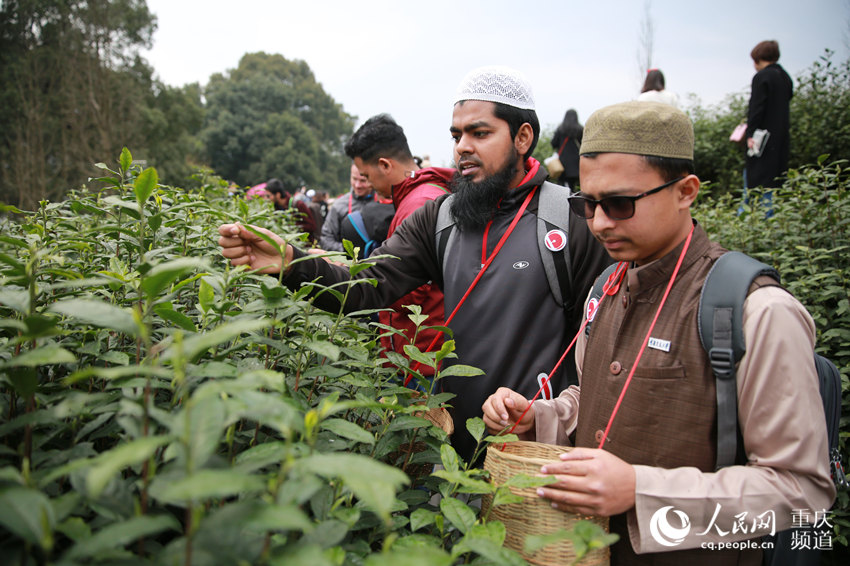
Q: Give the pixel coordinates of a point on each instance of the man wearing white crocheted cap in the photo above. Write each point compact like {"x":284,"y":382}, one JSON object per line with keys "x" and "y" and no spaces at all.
{"x":502,"y":219}
{"x":497,"y":84}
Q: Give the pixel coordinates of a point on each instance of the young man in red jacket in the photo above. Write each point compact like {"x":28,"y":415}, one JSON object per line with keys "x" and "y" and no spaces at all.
{"x":381,"y":153}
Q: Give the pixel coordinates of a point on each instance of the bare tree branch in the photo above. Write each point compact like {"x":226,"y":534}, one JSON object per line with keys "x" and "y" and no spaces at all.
{"x":646,"y":38}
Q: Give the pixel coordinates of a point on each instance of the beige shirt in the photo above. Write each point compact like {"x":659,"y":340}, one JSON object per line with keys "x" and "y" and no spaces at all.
{"x":783,"y":426}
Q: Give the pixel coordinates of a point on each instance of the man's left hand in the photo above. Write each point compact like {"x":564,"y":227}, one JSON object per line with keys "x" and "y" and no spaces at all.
{"x":590,"y":482}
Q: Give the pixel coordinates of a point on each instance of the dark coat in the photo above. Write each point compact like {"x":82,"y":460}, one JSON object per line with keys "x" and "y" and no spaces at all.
{"x":772,"y":89}
{"x":569,"y":154}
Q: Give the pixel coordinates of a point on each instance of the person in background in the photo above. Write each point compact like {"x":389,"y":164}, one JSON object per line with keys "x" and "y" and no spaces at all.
{"x":283,"y":200}
{"x":654,"y":90}
{"x":566,"y":141}
{"x":511,"y":326}
{"x":659,"y":453}
{"x":318,"y":208}
{"x":358,"y":195}
{"x":381,"y":153}
{"x":258,"y":191}
{"x":769,"y":109}
{"x":301,"y":195}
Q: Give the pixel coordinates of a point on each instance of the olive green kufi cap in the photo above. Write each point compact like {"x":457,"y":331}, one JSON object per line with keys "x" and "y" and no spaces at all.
{"x":642,"y":128}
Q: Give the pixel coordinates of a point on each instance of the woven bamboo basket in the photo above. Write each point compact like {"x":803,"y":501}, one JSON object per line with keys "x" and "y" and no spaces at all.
{"x":535,"y":515}
{"x":440,"y":417}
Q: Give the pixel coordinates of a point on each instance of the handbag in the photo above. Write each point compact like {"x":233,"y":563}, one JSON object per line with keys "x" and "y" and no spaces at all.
{"x":553,"y":162}
{"x":738,"y":133}
{"x":554,"y":166}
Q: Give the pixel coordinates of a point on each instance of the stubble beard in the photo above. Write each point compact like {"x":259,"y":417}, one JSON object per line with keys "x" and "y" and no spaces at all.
{"x":474,"y":203}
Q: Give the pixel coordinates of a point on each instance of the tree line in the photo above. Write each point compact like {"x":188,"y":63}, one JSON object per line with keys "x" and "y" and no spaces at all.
{"x":74,"y":87}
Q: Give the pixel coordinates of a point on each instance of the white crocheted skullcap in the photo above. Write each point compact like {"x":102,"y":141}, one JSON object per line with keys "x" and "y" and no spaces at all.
{"x":497,"y":84}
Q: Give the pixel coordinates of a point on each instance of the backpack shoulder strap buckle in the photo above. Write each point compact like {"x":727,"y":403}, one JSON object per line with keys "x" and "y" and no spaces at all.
{"x":722,"y":362}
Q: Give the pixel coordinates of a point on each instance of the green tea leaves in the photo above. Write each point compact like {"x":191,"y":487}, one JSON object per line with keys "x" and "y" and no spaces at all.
{"x":97,"y":313}
{"x":144,"y":185}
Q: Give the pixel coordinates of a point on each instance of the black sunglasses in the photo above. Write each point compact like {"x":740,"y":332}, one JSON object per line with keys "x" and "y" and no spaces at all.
{"x":615,"y":208}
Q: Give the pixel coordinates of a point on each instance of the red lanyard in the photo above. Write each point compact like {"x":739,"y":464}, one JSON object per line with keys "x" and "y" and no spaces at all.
{"x":485,"y":263}
{"x":484,"y":260}
{"x":612,"y":285}
{"x":370,"y":196}
{"x":648,"y":334}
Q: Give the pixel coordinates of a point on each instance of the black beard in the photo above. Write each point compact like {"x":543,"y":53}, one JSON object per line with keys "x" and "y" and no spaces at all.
{"x":475,"y":203}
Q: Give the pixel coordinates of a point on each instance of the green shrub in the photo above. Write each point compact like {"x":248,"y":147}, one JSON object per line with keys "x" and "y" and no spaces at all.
{"x":807,"y":239}
{"x":159,"y":407}
{"x":716,"y":159}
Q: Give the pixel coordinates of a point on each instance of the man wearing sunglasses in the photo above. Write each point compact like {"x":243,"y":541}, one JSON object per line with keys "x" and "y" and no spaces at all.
{"x":646,"y":430}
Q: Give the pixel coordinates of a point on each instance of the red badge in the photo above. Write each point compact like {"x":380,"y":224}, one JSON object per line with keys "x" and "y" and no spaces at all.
{"x":592,"y":306}
{"x":556,"y":240}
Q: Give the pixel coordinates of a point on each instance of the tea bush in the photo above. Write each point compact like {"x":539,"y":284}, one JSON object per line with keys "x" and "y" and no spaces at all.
{"x":805,"y":233}
{"x":159,"y":407}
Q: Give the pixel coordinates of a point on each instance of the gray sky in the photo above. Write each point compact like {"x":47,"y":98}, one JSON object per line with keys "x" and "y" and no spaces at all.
{"x":407,"y":58}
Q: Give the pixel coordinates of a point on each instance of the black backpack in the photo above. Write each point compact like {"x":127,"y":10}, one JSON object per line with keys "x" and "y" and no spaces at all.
{"x":367,"y":228}
{"x":722,"y":336}
{"x":721,"y":332}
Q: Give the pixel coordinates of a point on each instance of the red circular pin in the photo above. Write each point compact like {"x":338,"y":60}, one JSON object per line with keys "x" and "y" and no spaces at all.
{"x":556,"y":240}
{"x":592,"y":305}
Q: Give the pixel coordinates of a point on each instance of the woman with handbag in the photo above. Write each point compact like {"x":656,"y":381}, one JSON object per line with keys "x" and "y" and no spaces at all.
{"x":770,"y":98}
{"x":567,"y":141}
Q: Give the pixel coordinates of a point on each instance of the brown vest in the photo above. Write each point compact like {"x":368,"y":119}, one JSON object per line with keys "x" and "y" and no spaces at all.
{"x":668,"y":416}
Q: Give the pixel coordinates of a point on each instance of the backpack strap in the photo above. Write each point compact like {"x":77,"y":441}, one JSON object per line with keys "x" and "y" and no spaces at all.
{"x":444,"y":233}
{"x":720,"y":321}
{"x":597,"y":290}
{"x":553,"y":213}
{"x":356,"y":219}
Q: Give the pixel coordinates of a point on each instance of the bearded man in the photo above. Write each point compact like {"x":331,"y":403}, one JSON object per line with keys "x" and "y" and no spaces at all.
{"x":511,"y":325}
